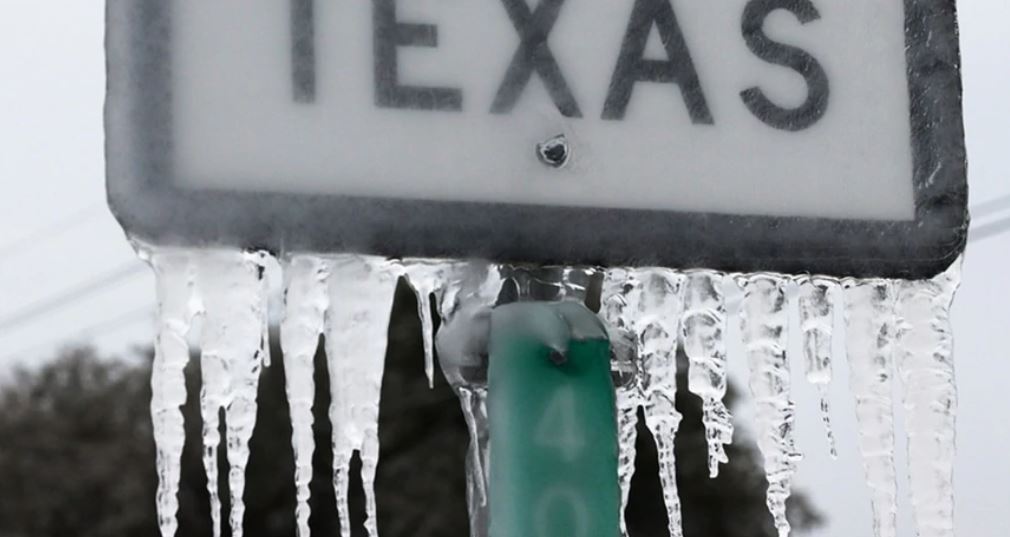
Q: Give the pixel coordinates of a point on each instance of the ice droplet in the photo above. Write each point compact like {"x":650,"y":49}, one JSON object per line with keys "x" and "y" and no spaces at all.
{"x":926,"y":368}
{"x":817,"y":323}
{"x":763,"y":323}
{"x":360,"y":301}
{"x":870,"y":333}
{"x":306,"y":301}
{"x":176,"y":309}
{"x":703,"y":329}
{"x":233,"y":345}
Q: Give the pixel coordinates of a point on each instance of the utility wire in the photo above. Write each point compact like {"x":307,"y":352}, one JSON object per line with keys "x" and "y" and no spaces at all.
{"x":43,"y":234}
{"x":991,"y":207}
{"x":990,"y":230}
{"x":108,"y":326}
{"x":116,"y":323}
{"x":43,"y":307}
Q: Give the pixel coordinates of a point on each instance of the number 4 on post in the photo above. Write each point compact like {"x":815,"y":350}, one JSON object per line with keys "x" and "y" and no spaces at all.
{"x":553,"y":454}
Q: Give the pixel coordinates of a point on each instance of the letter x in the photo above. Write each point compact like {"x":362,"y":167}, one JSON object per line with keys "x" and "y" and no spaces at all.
{"x":534,"y":54}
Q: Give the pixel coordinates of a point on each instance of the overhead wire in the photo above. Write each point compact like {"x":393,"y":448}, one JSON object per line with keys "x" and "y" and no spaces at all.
{"x":990,"y":230}
{"x":46,"y":233}
{"x":104,"y":327}
{"x":991,"y":207}
{"x":107,"y":280}
{"x":995,"y":206}
{"x":69,"y":296}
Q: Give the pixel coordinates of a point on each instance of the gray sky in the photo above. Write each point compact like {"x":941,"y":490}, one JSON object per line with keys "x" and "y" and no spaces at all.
{"x":51,"y":170}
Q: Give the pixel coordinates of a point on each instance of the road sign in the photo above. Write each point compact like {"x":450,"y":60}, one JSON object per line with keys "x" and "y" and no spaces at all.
{"x":787,"y":135}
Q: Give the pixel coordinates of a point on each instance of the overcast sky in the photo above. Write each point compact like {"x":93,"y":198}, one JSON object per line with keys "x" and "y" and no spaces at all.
{"x":55,"y":235}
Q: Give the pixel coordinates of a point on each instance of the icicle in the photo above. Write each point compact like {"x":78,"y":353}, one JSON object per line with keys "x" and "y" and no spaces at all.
{"x":703,"y":329}
{"x":467,"y":296}
{"x":176,"y":309}
{"x":926,"y":369}
{"x":233,"y":348}
{"x":659,"y":329}
{"x":763,"y":325}
{"x":628,"y":403}
{"x":817,"y":315}
{"x":618,"y":318}
{"x":361,"y":299}
{"x":427,"y":277}
{"x":870,"y":333}
{"x":306,"y":301}
{"x":473,"y":400}
{"x":648,"y":304}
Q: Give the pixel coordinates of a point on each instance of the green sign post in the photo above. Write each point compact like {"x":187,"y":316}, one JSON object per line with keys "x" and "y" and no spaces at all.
{"x":553,"y":454}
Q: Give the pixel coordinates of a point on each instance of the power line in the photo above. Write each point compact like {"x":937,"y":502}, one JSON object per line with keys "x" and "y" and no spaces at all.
{"x":991,"y":207}
{"x":989,"y":230}
{"x":108,"y":326}
{"x":71,"y":295}
{"x":116,"y":323}
{"x":45,"y":233}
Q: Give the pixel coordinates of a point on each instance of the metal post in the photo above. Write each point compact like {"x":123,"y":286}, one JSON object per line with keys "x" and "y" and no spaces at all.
{"x":553,"y":453}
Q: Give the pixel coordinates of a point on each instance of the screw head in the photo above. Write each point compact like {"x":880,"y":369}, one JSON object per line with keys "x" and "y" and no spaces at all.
{"x":554,"y":151}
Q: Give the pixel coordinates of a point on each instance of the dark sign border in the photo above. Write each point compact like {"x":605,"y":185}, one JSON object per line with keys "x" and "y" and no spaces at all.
{"x":152,"y":209}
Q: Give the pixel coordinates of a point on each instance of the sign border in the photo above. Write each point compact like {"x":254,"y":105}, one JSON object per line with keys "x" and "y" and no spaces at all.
{"x":153,"y":210}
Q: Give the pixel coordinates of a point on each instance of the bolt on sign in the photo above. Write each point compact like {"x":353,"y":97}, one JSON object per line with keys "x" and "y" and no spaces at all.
{"x":743,"y":135}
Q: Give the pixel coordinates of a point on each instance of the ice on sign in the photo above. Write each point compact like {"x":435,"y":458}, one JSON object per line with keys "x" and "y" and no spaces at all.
{"x":680,"y":151}
{"x":898,"y":335}
{"x":816,"y":130}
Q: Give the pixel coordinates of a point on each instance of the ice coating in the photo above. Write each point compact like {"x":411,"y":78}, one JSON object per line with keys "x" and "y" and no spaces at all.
{"x":617,"y":316}
{"x":659,"y":329}
{"x":702,"y":331}
{"x":926,"y":368}
{"x":551,"y":283}
{"x":306,"y":300}
{"x":763,"y":323}
{"x":233,"y":344}
{"x":176,"y":309}
{"x":427,"y":278}
{"x":470,"y":290}
{"x":870,"y":334}
{"x":473,"y":401}
{"x":902,"y":325}
{"x":360,"y":300}
{"x":647,"y":305}
{"x":817,"y":318}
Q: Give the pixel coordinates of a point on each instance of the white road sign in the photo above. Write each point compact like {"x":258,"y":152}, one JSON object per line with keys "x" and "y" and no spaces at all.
{"x":795,"y":135}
